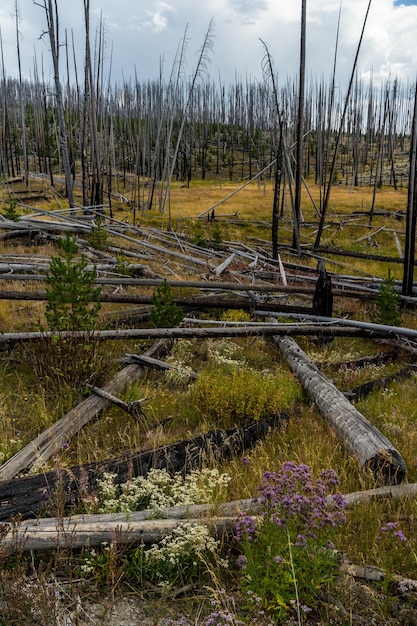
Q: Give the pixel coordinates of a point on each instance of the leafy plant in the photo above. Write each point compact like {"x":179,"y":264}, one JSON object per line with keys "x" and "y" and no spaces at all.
{"x":71,"y":292}
{"x":289,"y":555}
{"x":165,"y":313}
{"x":388,"y":303}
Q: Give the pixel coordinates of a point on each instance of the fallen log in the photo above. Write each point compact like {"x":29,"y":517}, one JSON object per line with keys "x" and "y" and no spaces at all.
{"x":133,"y":408}
{"x":382,"y":358}
{"x":68,"y":535}
{"x":135,"y":527}
{"x":31,"y":495}
{"x":204,"y":333}
{"x":360,"y":438}
{"x":38,"y":451}
{"x":155,"y":364}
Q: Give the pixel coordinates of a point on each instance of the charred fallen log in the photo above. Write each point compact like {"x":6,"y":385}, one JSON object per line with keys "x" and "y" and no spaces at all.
{"x":33,"y":495}
{"x":361,"y":391}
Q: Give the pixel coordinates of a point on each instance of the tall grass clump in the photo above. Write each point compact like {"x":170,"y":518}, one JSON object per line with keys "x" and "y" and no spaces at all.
{"x":230,"y":397}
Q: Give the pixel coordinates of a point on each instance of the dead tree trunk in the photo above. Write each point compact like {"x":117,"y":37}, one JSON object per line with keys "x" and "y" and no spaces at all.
{"x":358,"y":435}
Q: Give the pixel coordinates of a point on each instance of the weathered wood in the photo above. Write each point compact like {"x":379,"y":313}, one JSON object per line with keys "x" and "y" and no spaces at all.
{"x":153,"y":363}
{"x":391,"y":492}
{"x":367,"y":572}
{"x":220,"y":268}
{"x":357,"y":434}
{"x":67,"y":534}
{"x":38,"y":451}
{"x":136,"y":527}
{"x":31,"y":495}
{"x":208,"y":332}
{"x":134,"y":408}
{"x":323,"y":295}
{"x":381,"y":358}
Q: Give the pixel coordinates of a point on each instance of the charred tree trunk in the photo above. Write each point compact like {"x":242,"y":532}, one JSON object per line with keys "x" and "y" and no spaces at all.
{"x":32,"y":495}
{"x":410,"y":235}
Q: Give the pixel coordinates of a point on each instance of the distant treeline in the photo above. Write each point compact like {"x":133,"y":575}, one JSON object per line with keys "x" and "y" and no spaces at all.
{"x":126,"y":138}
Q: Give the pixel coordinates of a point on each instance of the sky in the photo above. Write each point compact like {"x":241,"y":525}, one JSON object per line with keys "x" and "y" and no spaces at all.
{"x":142,"y":36}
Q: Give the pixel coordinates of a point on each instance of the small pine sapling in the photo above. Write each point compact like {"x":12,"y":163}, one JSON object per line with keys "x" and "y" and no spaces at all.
{"x":199,"y":237}
{"x":388,"y":303}
{"x":9,"y":211}
{"x":217,"y":237}
{"x":165,"y":313}
{"x":99,"y":237}
{"x":71,"y":292}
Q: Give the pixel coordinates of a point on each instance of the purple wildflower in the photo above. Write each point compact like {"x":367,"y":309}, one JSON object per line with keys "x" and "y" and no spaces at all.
{"x":245,"y":527}
{"x":394,"y":530}
{"x":241,"y":561}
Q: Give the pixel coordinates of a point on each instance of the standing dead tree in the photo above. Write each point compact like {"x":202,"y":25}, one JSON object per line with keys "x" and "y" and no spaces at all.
{"x":51,"y":14}
{"x":300,"y":126}
{"x":410,"y":236}
{"x":339,"y":135}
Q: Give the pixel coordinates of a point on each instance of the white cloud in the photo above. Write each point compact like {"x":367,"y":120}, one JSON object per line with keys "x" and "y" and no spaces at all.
{"x":157,"y":18}
{"x":142,"y":31}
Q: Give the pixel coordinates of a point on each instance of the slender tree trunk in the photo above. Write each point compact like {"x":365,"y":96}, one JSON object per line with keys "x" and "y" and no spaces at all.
{"x":277,"y":190}
{"x":51,"y":13}
{"x":339,"y":134}
{"x":300,"y":125}
{"x":21,"y":98}
{"x":410,"y":236}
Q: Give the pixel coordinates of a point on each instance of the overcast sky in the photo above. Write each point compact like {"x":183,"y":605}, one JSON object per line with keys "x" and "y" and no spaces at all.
{"x":141,"y":33}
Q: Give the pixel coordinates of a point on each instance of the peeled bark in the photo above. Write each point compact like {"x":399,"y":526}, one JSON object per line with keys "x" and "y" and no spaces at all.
{"x":357,"y":434}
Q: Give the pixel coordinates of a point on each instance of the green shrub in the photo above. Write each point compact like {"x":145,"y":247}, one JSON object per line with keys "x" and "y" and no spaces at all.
{"x":199,"y":235}
{"x":9,"y":211}
{"x":66,"y":363}
{"x":99,"y":237}
{"x":230,"y":398}
{"x":123,"y":266}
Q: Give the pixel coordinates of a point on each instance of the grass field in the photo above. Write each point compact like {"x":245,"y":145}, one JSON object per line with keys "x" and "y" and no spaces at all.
{"x":239,"y":381}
